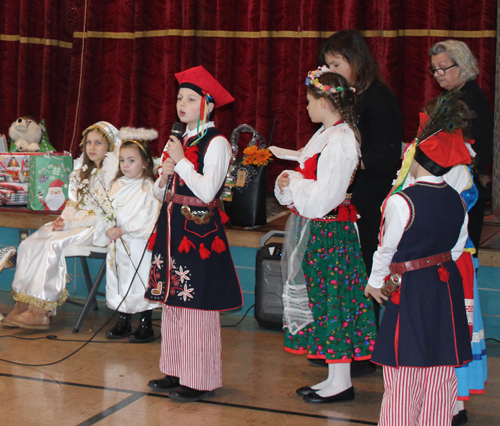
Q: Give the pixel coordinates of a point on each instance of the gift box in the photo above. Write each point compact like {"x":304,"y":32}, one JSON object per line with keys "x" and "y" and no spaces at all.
{"x":49,"y":181}
{"x":14,"y":177}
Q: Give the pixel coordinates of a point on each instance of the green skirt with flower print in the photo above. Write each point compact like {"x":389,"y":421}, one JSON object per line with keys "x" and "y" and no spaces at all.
{"x":335,"y":275}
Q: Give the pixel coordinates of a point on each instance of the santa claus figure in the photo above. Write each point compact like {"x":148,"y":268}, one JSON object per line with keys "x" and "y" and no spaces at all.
{"x":55,"y":198}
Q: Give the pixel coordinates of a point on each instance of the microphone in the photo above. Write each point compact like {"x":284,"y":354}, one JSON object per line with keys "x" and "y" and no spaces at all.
{"x":177,"y":131}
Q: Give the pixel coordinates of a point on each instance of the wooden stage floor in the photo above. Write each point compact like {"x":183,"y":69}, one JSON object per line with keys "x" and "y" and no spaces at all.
{"x":104,"y":382}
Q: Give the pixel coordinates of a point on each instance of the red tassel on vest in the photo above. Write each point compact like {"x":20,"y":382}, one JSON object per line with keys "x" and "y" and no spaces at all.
{"x":395,"y":297}
{"x":186,"y":245}
{"x":444,"y":275}
{"x":218,"y":245}
{"x":204,"y":253}
{"x":223,"y":216}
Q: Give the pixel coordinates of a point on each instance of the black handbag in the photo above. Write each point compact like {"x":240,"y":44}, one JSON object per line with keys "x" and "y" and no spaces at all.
{"x":245,"y":192}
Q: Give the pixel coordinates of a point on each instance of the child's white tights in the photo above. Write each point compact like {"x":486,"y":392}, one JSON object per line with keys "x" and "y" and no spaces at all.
{"x":338,"y":380}
{"x":459,"y":406}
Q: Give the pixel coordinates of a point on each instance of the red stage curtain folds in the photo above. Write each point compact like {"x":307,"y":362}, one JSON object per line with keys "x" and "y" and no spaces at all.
{"x":80,"y":61}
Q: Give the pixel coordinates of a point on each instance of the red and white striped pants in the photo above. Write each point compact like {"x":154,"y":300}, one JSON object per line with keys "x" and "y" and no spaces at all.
{"x":418,"y":396}
{"x":191,"y":347}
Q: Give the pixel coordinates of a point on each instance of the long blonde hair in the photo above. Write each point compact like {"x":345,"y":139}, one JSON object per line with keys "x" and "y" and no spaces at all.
{"x":86,"y":172}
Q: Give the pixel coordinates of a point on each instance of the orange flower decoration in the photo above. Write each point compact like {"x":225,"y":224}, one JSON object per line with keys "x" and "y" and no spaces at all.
{"x":251,"y":150}
{"x":248,"y":159}
{"x":249,"y":155}
{"x":263,"y":157}
{"x":255,"y":156}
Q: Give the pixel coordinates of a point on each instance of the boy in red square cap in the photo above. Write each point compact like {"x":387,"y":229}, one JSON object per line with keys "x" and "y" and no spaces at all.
{"x":424,"y":333}
{"x":192,"y":272}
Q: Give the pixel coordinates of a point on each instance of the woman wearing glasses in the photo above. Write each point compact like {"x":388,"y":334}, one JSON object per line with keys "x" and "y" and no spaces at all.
{"x":454,"y":66}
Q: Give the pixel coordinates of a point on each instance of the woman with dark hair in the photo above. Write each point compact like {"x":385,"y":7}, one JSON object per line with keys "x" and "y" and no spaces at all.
{"x":380,"y":123}
{"x":454,"y":66}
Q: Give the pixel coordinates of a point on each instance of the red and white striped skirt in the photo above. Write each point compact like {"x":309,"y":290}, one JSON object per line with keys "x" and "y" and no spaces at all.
{"x":418,"y":396}
{"x":191,"y":347}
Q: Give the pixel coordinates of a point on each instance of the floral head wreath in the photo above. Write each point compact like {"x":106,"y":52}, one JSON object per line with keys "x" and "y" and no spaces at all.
{"x":312,"y":80}
{"x":138,"y":136}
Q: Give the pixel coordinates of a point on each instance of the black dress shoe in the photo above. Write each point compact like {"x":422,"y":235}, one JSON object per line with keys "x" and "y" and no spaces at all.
{"x":346,"y":395}
{"x":122,"y":328}
{"x":167,"y":384}
{"x":185,"y":394}
{"x":362,"y":368}
{"x":144,"y":332}
{"x":460,"y":418}
{"x":304,"y":390}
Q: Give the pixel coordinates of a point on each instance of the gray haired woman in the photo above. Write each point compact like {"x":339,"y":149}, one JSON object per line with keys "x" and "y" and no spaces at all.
{"x":454,"y":66}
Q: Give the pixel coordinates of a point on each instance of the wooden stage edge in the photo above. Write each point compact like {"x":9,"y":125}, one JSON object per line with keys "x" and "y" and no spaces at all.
{"x":16,"y":217}
{"x":22,"y":218}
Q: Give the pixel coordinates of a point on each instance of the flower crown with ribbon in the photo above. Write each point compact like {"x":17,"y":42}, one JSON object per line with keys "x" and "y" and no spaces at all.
{"x":312,"y":79}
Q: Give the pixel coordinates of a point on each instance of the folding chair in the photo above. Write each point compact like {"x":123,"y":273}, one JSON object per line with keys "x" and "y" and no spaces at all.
{"x":84,"y":252}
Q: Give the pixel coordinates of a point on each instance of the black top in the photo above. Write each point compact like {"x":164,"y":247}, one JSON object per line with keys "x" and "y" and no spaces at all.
{"x":481,"y":127}
{"x":380,"y":123}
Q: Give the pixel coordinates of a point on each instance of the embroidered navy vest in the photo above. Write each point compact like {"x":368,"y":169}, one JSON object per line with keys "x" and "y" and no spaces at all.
{"x":429,"y":326}
{"x":203,"y":275}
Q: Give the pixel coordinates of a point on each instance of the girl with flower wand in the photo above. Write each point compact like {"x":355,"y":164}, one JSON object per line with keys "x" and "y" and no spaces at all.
{"x":326,"y":315}
{"x":39,"y":285}
{"x":134,"y":211}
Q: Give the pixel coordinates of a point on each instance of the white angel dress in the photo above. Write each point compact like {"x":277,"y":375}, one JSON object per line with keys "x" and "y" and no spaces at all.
{"x":136,"y":210}
{"x":40,"y":278}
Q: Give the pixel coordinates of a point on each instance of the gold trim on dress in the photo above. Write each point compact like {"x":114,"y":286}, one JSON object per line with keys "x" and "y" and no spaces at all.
{"x":40,"y":303}
{"x":73,"y":204}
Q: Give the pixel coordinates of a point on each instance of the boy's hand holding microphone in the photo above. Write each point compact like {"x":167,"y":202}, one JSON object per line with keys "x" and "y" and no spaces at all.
{"x":175,"y":152}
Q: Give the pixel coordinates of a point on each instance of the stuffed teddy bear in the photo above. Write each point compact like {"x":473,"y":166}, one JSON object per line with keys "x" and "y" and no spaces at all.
{"x":26,"y":133}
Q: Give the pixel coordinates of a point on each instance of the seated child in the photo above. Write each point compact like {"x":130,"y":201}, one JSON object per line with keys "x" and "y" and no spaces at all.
{"x":39,"y":285}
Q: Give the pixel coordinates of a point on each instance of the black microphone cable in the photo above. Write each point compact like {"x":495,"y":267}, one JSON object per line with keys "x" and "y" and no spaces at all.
{"x":176,"y":131}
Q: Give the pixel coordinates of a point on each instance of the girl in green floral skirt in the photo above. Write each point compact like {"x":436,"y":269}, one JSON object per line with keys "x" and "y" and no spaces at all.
{"x":326,"y":315}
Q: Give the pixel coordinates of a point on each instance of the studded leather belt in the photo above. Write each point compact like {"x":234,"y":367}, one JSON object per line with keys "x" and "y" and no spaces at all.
{"x":392,"y":282}
{"x":191,"y":201}
{"x":424,"y":262}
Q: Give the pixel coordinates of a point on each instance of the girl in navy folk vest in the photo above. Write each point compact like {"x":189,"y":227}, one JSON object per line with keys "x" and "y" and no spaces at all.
{"x":192,"y":271}
{"x":424,"y":332}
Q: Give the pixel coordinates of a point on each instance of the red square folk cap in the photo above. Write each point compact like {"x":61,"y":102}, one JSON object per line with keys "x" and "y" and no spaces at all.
{"x":203,"y":83}
{"x":442,"y":151}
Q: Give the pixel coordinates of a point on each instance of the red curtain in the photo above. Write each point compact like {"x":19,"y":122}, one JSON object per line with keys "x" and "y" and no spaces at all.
{"x":75,"y":62}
